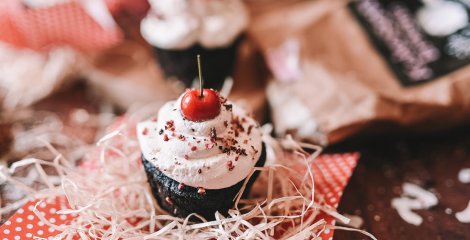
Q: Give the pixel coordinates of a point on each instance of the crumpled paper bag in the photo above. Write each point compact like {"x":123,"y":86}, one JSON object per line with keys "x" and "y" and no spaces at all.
{"x":342,"y":85}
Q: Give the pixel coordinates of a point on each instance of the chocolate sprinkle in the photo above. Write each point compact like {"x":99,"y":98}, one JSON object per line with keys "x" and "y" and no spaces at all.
{"x":228,"y":107}
{"x":213,"y":134}
{"x":249,"y":129}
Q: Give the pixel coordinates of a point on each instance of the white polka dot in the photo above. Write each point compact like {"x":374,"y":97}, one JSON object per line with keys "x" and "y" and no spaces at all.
{"x":333,"y":200}
{"x":327,"y":230}
{"x":29,"y":235}
{"x":51,"y":229}
{"x":20,"y":211}
{"x":17,"y":237}
{"x":331,"y":238}
{"x":7,"y":223}
{"x":40,"y":232}
{"x":29,"y":226}
{"x":42,"y":205}
{"x":40,"y":223}
{"x":30,"y":208}
{"x":5,"y":239}
{"x":63,"y":217}
{"x":18,"y":229}
{"x":6,"y":231}
{"x":30,"y":217}
{"x":52,"y":220}
{"x":52,"y":210}
{"x":19,"y":220}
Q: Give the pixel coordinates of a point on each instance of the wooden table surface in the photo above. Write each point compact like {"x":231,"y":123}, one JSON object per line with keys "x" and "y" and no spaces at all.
{"x":386,"y":163}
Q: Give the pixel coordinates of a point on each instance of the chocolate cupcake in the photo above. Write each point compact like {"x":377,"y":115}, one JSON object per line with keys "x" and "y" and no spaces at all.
{"x":180,"y":29}
{"x":198,"y":153}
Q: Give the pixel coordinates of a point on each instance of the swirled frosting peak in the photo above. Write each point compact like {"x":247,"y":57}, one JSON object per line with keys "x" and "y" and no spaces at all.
{"x":213,"y":154}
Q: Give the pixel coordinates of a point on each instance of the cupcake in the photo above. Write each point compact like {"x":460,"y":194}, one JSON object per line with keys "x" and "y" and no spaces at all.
{"x":198,"y":152}
{"x":180,"y":29}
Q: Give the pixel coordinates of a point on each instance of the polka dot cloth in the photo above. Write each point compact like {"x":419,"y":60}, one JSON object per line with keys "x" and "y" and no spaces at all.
{"x":331,"y":173}
{"x":25,"y":224}
{"x":61,"y":24}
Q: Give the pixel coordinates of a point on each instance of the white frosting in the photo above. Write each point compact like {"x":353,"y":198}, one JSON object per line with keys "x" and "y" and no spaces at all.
{"x":206,"y":166}
{"x":179,"y":24}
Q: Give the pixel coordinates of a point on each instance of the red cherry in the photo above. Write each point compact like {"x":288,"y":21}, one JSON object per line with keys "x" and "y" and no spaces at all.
{"x":199,"y":108}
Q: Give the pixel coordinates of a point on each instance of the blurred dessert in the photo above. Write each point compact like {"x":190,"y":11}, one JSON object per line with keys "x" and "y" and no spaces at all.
{"x":180,"y":29}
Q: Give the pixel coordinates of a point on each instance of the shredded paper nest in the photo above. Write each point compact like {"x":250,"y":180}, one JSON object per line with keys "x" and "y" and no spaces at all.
{"x":108,"y":194}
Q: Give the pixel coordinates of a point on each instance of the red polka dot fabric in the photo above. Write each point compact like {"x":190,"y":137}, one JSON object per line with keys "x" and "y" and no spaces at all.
{"x":25,"y":224}
{"x":58,"y":25}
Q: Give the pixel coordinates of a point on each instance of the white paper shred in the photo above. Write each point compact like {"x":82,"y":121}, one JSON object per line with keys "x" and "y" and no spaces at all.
{"x":414,"y":198}
{"x":355,"y":221}
{"x":464,"y":175}
{"x":464,"y":215}
{"x":283,"y":198}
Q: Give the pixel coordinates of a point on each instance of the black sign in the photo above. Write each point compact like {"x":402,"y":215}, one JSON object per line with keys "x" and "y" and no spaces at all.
{"x":420,"y":40}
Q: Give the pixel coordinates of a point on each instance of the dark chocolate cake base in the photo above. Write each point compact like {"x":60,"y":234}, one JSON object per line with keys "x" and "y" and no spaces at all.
{"x":181,"y":64}
{"x":182,"y":202}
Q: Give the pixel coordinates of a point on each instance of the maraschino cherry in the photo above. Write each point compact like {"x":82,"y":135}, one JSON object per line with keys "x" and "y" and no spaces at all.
{"x":200,"y":105}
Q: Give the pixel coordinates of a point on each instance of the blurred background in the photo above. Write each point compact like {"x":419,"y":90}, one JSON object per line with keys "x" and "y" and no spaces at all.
{"x":386,"y":78}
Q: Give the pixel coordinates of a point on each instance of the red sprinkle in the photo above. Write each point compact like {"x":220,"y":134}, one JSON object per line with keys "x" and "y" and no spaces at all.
{"x":145,"y":131}
{"x":209,"y":145}
{"x":201,"y":191}
{"x":193,"y":148}
{"x":153,"y":119}
{"x":170,"y":123}
{"x":180,"y":186}
{"x":230,"y":165}
{"x":186,"y":157}
{"x":168,"y":200}
{"x":165,"y":138}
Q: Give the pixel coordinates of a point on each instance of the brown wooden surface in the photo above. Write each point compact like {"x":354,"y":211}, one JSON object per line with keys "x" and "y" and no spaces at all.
{"x":432,"y":162}
{"x":386,"y":163}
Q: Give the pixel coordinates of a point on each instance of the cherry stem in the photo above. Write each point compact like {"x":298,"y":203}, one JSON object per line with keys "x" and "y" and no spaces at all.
{"x":200,"y":75}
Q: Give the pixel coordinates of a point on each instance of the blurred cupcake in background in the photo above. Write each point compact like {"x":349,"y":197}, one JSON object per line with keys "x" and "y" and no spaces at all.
{"x":180,"y":29}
